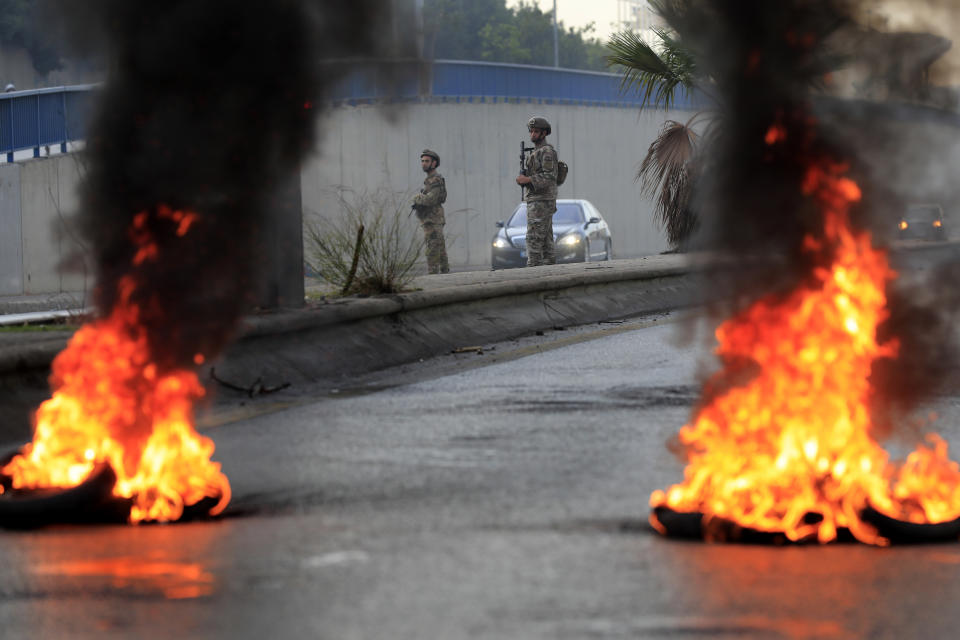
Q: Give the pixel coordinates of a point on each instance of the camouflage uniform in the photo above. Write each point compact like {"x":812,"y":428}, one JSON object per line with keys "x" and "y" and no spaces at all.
{"x":430,"y":213}
{"x":541,"y":199}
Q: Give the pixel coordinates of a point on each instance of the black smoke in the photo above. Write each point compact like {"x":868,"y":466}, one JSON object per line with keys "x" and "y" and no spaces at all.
{"x":771,"y":64}
{"x":765,"y":59}
{"x":209,"y":107}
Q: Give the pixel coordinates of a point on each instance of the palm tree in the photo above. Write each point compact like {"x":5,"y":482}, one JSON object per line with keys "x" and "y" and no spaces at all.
{"x":656,"y":75}
{"x":668,"y":171}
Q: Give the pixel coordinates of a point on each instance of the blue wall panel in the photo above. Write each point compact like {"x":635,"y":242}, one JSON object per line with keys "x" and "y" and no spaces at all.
{"x":32,"y":119}
{"x":25,"y":121}
{"x":6,"y":126}
{"x":52,"y":124}
{"x":455,"y":80}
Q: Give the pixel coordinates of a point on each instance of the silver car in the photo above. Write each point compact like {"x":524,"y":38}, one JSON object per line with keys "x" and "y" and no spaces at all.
{"x":580,"y":234}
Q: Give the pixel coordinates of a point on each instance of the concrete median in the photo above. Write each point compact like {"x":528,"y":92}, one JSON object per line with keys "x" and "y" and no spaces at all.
{"x":349,"y":336}
{"x":337,"y":337}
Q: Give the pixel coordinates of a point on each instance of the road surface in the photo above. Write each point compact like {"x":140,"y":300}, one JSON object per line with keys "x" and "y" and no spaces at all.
{"x":501,"y":495}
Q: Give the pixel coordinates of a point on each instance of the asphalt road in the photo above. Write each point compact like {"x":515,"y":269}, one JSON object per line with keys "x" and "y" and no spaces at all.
{"x":500,"y":495}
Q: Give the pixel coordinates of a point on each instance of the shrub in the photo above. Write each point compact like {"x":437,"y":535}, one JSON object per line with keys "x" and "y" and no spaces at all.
{"x":390,"y":245}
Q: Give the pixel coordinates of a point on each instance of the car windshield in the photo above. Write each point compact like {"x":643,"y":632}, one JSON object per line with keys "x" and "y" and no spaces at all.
{"x":567,"y":213}
{"x":923,"y":214}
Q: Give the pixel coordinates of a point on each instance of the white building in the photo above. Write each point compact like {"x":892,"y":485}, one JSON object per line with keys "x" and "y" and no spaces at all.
{"x":639,"y":16}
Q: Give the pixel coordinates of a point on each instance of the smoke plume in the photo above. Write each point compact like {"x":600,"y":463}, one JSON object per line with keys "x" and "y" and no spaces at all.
{"x":766,"y":59}
{"x":771,"y":62}
{"x":939,"y":17}
{"x":208,"y":109}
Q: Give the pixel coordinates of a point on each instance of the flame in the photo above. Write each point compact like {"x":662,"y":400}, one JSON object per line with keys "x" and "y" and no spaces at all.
{"x":110,"y":403}
{"x":792,"y":451}
{"x":776,"y":133}
{"x":175,"y":580}
{"x":184,"y":219}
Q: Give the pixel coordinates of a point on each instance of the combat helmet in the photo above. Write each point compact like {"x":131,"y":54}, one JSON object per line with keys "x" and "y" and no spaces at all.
{"x":430,"y":154}
{"x":537,"y":122}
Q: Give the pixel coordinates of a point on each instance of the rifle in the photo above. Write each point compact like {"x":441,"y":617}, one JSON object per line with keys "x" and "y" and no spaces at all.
{"x":524,"y":150}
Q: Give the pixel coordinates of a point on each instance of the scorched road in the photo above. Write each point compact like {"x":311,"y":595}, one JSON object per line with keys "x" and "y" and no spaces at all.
{"x":494,"y":495}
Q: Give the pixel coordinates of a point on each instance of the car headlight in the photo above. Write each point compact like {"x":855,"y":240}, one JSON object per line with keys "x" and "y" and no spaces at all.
{"x":500,"y":243}
{"x":570,"y":239}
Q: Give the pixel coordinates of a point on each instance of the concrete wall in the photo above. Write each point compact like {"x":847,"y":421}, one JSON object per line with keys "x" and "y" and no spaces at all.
{"x":372,"y":146}
{"x":11,"y":238}
{"x":39,"y":251}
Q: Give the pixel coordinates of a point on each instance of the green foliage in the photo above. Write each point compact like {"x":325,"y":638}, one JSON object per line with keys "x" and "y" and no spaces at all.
{"x":488,"y":30}
{"x":20,"y":27}
{"x":456,"y":25}
{"x":391,"y":246}
{"x":656,"y":75}
{"x":669,"y":171}
{"x":667,"y":175}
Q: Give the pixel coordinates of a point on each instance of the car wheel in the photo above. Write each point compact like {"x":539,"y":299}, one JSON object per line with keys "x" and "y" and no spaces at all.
{"x":586,"y":250}
{"x":608,"y":255}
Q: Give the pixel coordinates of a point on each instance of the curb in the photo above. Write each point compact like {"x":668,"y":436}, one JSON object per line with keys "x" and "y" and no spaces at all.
{"x":354,"y":309}
{"x":351,"y":336}
{"x":579,"y":294}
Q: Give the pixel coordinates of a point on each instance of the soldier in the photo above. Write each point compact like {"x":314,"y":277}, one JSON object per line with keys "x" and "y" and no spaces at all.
{"x":430,"y":213}
{"x":540,"y":180}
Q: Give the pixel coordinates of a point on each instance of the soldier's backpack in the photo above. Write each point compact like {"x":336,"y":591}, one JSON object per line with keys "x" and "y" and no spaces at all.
{"x":562,"y":170}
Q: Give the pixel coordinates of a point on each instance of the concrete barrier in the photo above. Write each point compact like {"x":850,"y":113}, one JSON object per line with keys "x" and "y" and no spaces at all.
{"x":347,"y":336}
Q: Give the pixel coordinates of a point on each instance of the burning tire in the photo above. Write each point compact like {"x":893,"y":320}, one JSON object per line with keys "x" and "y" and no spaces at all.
{"x":92,"y":501}
{"x":900,"y":532}
{"x":694,"y":526}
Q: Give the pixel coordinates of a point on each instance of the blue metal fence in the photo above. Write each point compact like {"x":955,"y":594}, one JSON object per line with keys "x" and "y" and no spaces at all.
{"x":459,"y":79}
{"x":44,"y":117}
{"x":455,"y":80}
{"x":56,"y":116}
{"x":369,"y":81}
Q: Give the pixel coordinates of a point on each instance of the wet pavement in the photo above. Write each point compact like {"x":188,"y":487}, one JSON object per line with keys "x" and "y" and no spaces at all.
{"x":337,"y":337}
{"x":500,"y":494}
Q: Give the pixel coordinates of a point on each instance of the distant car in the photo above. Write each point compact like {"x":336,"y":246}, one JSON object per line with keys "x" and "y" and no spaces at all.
{"x":580,"y":234}
{"x":922,"y":221}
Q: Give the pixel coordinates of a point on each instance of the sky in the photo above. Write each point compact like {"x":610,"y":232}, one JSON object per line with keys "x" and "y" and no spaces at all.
{"x":579,"y":13}
{"x":934,"y":16}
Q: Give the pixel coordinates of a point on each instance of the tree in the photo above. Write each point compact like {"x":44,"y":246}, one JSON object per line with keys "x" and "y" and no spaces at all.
{"x":656,"y":75}
{"x":687,"y":58}
{"x":667,"y":174}
{"x":668,"y":171}
{"x":488,"y":30}
{"x":456,"y":25}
